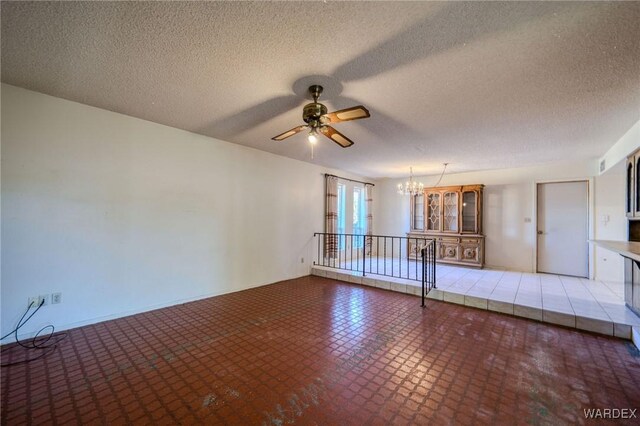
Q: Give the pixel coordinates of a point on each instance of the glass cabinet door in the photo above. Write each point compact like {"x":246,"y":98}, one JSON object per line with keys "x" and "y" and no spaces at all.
{"x":450,"y":216}
{"x":637,"y":187}
{"x":469,"y":203}
{"x":629,"y":198}
{"x":433,"y":212}
{"x":418,"y":212}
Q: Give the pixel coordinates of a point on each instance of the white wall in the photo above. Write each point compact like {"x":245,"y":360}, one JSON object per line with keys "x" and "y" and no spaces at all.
{"x":628,"y":143}
{"x":610,"y":204}
{"x":509,"y":201}
{"x":122,"y":215}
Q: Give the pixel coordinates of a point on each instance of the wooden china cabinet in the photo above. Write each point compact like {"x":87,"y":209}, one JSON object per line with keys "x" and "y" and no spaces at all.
{"x":453,"y":216}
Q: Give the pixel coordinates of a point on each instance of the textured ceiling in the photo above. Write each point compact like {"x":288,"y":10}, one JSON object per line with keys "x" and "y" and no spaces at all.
{"x":478,"y":85}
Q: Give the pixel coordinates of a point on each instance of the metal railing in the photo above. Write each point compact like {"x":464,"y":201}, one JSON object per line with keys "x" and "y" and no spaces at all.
{"x":398,"y":257}
{"x":428,"y":253}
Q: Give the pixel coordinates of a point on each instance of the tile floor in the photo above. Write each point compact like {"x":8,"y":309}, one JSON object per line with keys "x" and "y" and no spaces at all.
{"x":596,"y":306}
{"x":320,"y":351}
{"x":392,"y":267}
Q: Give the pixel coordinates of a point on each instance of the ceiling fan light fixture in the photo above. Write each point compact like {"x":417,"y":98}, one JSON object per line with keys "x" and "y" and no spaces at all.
{"x":318,"y":119}
{"x":312,"y":137}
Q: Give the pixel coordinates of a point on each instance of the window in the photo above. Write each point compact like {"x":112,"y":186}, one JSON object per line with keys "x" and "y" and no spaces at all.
{"x":351,"y":204}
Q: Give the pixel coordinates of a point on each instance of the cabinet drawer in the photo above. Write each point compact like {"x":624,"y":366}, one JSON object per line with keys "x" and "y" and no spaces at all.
{"x":470,"y":240}
{"x":448,"y":240}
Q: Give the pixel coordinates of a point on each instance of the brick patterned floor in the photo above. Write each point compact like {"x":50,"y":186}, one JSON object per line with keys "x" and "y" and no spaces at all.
{"x":319,"y":351}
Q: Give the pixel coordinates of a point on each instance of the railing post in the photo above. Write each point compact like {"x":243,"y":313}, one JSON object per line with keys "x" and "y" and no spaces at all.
{"x":423,"y":274}
{"x":433,"y":260}
{"x":318,"y":253}
{"x":364,"y":256}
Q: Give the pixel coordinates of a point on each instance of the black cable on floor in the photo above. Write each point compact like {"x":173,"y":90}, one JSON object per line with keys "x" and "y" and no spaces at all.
{"x":34,"y":344}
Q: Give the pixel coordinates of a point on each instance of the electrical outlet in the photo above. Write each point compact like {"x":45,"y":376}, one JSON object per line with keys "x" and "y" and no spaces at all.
{"x":35,"y":301}
{"x":302,"y":260}
{"x":56,"y":298}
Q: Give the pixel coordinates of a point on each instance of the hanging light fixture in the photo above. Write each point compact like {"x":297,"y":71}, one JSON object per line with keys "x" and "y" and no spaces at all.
{"x":411,"y":187}
{"x":312,"y":137}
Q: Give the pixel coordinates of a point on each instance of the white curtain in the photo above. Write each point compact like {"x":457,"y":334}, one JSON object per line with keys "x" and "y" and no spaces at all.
{"x":331,"y":216}
{"x":368,"y":202}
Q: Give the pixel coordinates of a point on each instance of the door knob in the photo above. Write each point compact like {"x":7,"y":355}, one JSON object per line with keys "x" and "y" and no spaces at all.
{"x":540,"y":232}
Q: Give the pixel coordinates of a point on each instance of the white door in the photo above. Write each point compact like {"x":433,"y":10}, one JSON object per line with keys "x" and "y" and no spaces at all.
{"x":563,"y":221}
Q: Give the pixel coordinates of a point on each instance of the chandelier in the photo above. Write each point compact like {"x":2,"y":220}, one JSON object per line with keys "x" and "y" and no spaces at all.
{"x":411,"y":187}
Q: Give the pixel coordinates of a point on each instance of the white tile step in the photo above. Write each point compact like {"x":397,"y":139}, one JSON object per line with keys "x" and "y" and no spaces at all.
{"x":530,"y":306}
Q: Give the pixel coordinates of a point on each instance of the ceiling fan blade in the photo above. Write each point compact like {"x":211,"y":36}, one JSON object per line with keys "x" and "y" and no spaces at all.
{"x":348,"y":114}
{"x":289,"y":133}
{"x":336,"y":136}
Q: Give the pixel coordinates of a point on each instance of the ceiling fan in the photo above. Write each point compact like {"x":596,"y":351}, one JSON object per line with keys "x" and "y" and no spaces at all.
{"x":318,"y":120}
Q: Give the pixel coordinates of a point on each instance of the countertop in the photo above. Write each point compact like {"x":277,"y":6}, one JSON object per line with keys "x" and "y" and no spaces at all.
{"x":630,"y":249}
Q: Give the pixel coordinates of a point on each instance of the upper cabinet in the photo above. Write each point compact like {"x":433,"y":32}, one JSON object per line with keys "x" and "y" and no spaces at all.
{"x":632,"y":178}
{"x":417,"y":212}
{"x":629,"y":207}
{"x":470,"y":212}
{"x":636,"y":187}
{"x":450,"y":209}
{"x":433,"y":211}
